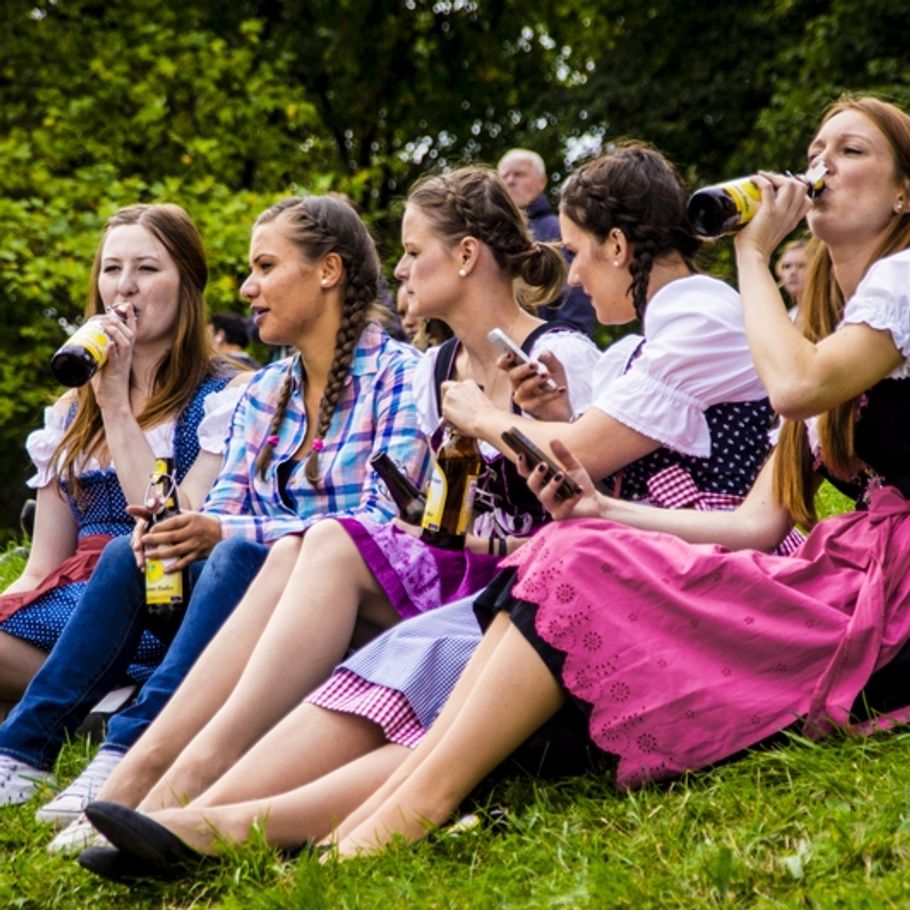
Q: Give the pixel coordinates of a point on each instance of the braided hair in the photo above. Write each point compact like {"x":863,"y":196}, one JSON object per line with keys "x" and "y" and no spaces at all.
{"x":319,"y":225}
{"x":638,"y":191}
{"x":474,"y":202}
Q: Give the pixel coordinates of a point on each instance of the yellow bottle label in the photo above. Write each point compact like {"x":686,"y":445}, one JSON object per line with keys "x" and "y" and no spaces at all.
{"x":162,"y":587}
{"x":436,"y":500}
{"x":467,"y":505}
{"x":746,"y":197}
{"x":94,"y":339}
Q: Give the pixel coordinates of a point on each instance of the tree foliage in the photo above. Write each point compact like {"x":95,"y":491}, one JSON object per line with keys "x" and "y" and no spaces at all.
{"x":223,"y":107}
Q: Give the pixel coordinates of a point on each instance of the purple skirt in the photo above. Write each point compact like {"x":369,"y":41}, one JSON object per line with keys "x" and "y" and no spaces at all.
{"x":413,"y":575}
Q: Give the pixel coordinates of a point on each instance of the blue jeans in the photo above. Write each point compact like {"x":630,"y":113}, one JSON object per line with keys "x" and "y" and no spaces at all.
{"x":99,"y":642}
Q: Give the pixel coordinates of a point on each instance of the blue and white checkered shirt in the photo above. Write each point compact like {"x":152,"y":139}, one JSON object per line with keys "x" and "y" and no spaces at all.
{"x":375,"y":410}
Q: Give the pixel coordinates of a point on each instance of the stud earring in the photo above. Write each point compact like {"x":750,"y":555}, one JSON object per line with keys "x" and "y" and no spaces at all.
{"x":324,"y":282}
{"x":616,"y":263}
{"x":462,"y":273}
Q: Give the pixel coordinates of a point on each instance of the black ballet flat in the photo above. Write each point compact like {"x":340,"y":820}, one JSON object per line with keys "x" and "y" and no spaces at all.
{"x":112,"y":864}
{"x":159,"y":852}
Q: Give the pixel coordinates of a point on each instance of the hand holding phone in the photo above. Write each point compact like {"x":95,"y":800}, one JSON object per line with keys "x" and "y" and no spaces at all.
{"x":519,"y":443}
{"x":499,"y":338}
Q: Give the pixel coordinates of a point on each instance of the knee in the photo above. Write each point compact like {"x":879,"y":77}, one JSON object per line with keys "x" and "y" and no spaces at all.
{"x":235,"y":555}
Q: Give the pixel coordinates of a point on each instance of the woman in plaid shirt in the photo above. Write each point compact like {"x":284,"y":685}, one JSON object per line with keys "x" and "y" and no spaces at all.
{"x":299,"y":448}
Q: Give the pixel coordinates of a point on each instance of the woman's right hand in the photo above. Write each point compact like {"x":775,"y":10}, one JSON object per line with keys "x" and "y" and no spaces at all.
{"x":111,"y":383}
{"x":529,"y":390}
{"x":178,"y":540}
{"x":586,"y":504}
{"x":784,"y":203}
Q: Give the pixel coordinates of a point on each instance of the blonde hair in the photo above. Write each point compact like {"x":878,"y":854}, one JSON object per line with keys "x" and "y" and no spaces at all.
{"x":821,"y":307}
{"x":188,"y":359}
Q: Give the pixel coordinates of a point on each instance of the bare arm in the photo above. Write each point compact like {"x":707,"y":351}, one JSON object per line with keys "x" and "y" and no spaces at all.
{"x":759,"y":523}
{"x":54,"y":539}
{"x":802,"y":378}
{"x":601,"y":443}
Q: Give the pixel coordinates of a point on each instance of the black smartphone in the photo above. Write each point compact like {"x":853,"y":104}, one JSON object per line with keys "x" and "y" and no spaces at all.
{"x":518,"y":442}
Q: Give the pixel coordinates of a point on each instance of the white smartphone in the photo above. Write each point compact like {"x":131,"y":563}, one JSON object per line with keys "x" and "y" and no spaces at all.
{"x":507,"y":346}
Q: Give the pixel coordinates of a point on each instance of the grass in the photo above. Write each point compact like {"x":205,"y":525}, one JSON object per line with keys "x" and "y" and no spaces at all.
{"x":801,"y":825}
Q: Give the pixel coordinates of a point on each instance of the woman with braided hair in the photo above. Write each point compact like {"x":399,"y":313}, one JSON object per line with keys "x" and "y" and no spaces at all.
{"x":299,"y":448}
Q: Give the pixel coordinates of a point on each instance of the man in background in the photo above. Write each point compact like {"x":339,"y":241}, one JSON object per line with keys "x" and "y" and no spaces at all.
{"x":230,"y":337}
{"x":525,"y":177}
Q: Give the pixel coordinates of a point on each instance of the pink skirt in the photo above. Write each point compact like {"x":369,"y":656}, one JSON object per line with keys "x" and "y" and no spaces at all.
{"x":687,"y":654}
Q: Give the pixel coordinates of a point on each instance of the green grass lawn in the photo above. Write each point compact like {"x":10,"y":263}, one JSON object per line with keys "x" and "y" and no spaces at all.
{"x":802,"y":825}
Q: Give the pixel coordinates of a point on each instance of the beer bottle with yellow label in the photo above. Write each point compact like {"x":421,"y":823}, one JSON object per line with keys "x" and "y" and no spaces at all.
{"x":450,"y":497}
{"x":725,"y":207}
{"x":165,"y":591}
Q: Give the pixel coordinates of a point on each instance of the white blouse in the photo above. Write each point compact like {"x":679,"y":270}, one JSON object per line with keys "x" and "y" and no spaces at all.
{"x":882,"y":301}
{"x":695,"y":355}
{"x":576,"y":352}
{"x":213,"y":429}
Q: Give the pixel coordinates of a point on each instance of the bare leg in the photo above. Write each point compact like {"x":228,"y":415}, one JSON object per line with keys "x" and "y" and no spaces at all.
{"x":307,"y":634}
{"x":19,"y":662}
{"x":206,"y":686}
{"x":513,"y":695}
{"x":289,"y":819}
{"x":305,"y":745}
{"x":466,"y":682}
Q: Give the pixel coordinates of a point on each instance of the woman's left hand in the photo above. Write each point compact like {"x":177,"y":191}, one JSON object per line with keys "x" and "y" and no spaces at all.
{"x":463,"y":403}
{"x":784,"y":203}
{"x":585,"y":504}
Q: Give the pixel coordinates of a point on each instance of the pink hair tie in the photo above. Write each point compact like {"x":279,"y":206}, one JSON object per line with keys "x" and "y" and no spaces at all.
{"x":318,"y":445}
{"x":271,"y":440}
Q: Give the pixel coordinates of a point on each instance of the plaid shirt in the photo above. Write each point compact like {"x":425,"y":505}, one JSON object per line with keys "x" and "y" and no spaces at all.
{"x":376,"y":410}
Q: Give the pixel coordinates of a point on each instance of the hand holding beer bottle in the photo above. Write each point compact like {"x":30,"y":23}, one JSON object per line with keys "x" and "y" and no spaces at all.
{"x":166,"y":589}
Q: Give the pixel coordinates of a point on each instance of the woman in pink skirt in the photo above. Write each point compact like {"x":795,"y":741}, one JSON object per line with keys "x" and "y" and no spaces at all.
{"x":684,"y":642}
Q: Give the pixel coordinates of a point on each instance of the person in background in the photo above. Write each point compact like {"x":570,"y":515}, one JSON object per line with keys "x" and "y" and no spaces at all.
{"x":422,"y":333}
{"x":231,"y":337}
{"x":525,"y":177}
{"x":790,"y":269}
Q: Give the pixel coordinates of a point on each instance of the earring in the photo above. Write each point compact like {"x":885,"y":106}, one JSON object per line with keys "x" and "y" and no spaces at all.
{"x":324,"y":282}
{"x":616,"y":263}
{"x":462,"y":273}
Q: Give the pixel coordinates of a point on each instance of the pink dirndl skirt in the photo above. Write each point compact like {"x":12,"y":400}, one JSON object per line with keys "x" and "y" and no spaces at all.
{"x":687,"y":654}
{"x":413,"y":575}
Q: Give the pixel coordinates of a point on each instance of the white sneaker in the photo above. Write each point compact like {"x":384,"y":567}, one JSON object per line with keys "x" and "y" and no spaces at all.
{"x":76,"y":837}
{"x":68,"y":804}
{"x":19,"y":781}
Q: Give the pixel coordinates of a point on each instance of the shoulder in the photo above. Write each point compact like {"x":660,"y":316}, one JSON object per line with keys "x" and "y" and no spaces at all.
{"x":687,"y":303}
{"x":882,"y":302}
{"x":378,"y":352}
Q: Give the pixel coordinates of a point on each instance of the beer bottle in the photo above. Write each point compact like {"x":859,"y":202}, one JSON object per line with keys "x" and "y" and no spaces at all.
{"x":725,"y":207}
{"x":165,"y":592}
{"x":82,"y":355}
{"x":408,"y":498}
{"x":450,"y":496}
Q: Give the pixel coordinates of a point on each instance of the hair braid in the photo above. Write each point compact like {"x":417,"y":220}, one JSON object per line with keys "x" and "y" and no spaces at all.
{"x":267,"y":450}
{"x":638,"y":191}
{"x":358,"y":297}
